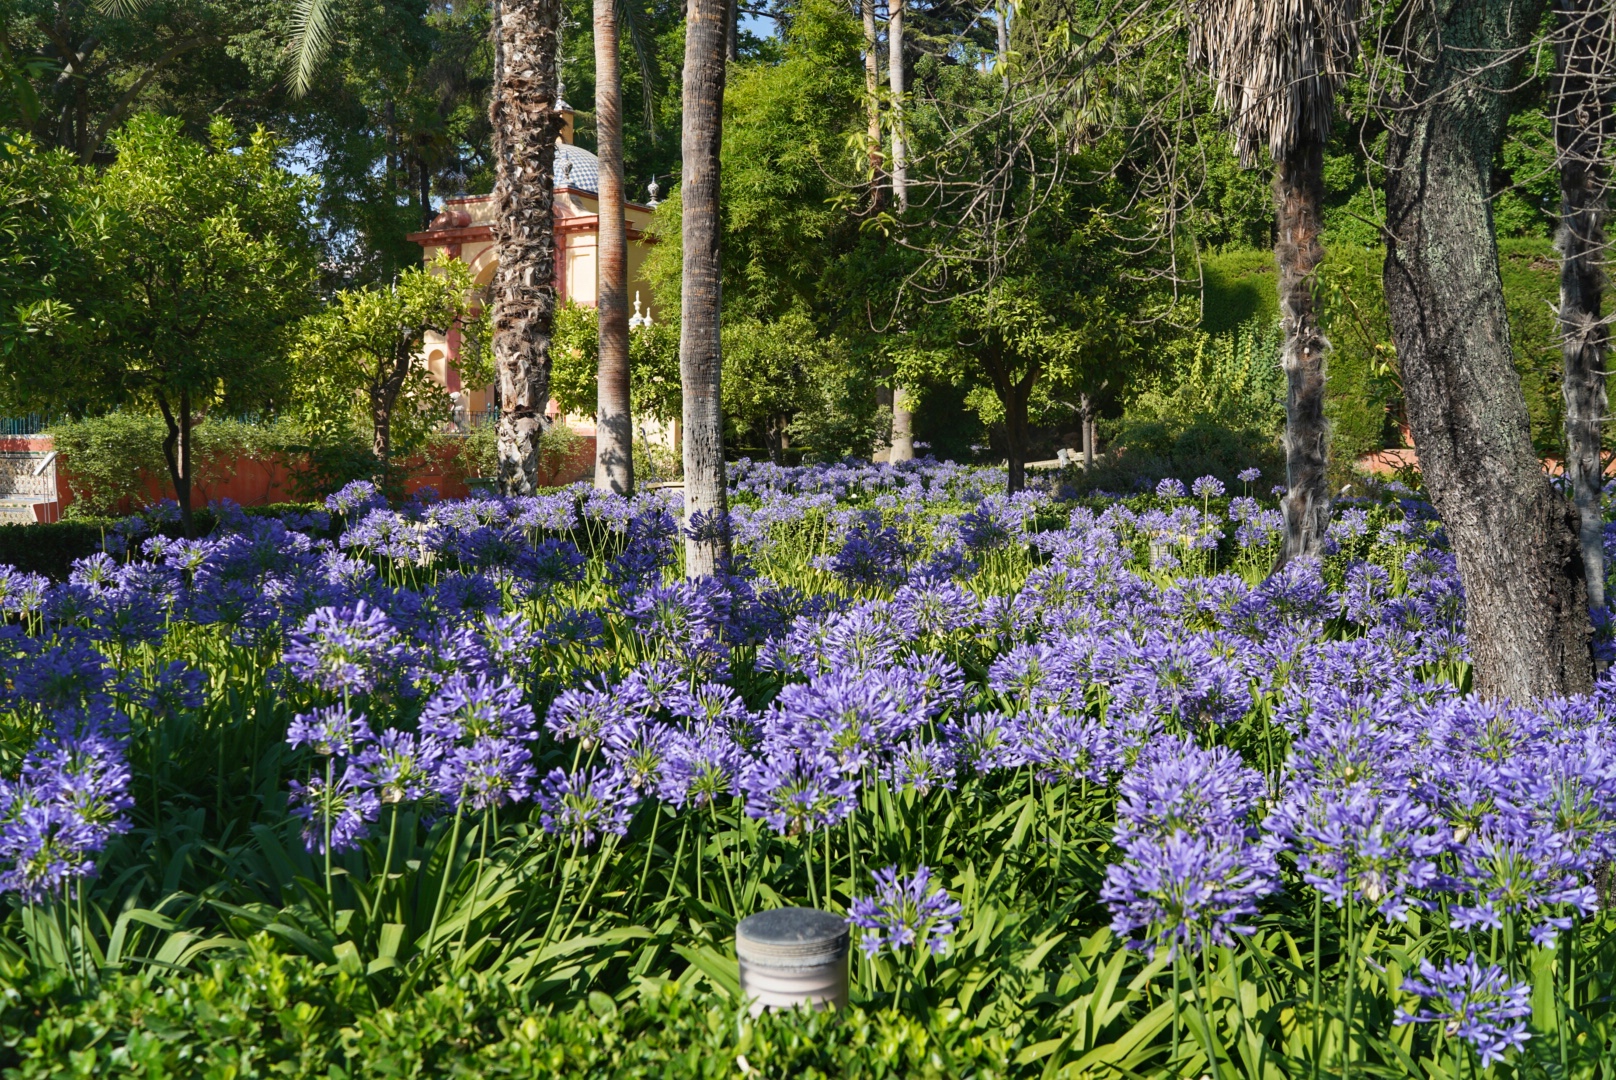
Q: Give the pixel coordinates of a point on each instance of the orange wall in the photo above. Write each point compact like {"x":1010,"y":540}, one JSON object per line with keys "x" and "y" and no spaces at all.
{"x":262,"y":481}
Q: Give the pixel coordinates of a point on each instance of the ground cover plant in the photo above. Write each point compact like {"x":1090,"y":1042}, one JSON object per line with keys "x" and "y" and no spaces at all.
{"x":481,"y":787}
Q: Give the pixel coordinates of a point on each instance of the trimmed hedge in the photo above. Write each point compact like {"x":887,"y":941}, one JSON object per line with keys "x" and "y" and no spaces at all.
{"x":265,"y":1014}
{"x":51,"y":548}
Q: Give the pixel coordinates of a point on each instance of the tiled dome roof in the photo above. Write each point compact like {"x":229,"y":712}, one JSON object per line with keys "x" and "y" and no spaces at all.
{"x":576,"y":168}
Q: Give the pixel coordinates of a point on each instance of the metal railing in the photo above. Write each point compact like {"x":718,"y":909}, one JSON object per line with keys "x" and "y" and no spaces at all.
{"x":32,"y":424}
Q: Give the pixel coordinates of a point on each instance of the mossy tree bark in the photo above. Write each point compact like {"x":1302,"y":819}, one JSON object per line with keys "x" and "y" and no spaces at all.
{"x":1515,"y":538}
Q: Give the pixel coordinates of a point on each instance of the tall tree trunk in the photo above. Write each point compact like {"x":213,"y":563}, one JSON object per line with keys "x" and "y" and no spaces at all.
{"x":384,"y":399}
{"x":1299,"y":204}
{"x":1582,"y":122}
{"x":177,"y":453}
{"x":895,"y":76}
{"x":700,"y":366}
{"x":1088,"y":432}
{"x":903,"y":425}
{"x":1016,"y":440}
{"x":1003,"y":24}
{"x":614,"y":417}
{"x":732,"y":32}
{"x":903,"y":419}
{"x":872,"y":104}
{"x":1514,"y":538}
{"x":525,"y":126}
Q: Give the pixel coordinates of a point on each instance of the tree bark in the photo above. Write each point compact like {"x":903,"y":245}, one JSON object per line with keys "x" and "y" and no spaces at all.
{"x":525,"y":125}
{"x":700,"y":358}
{"x":177,"y":454}
{"x":384,"y":399}
{"x":732,"y":32}
{"x":1299,"y":205}
{"x":1581,"y":125}
{"x":1087,"y":411}
{"x":872,"y":105}
{"x":895,"y":77}
{"x":614,"y":417}
{"x":903,"y":426}
{"x":1514,"y":538}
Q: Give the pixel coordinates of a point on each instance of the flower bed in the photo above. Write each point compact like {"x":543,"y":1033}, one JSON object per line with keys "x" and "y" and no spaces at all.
{"x":1089,"y":783}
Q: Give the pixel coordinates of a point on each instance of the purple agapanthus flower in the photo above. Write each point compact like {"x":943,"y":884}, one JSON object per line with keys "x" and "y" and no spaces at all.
{"x":343,"y":649}
{"x":904,"y":912}
{"x":1474,"y":1003}
{"x":1185,"y":892}
{"x":345,"y":808}
{"x":1249,"y":476}
{"x":472,"y":707}
{"x":492,"y":771}
{"x":1207,"y":487}
{"x":328,"y":731}
{"x":399,"y":766}
{"x":1171,"y":488}
{"x":797,"y":790}
{"x":701,"y":765}
{"x":579,"y":807}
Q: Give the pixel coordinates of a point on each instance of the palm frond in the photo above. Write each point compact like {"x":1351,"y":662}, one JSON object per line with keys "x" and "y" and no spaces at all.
{"x":312,"y":24}
{"x":120,"y":7}
{"x":631,"y":17}
{"x":1275,"y":65}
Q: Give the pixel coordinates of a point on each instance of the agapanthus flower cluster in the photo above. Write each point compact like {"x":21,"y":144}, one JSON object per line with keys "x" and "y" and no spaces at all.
{"x":904,"y":913}
{"x":1475,"y":1003}
{"x":1191,"y":872}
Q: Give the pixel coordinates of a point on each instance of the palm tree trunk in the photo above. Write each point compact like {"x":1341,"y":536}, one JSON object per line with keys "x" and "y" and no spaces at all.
{"x":1515,"y":539}
{"x":1299,"y":199}
{"x":525,"y":126}
{"x":1582,"y":121}
{"x":700,"y":360}
{"x":872,"y":104}
{"x":900,"y":153}
{"x":614,"y":418}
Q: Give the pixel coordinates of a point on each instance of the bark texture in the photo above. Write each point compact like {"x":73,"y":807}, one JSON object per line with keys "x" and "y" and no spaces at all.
{"x":384,"y":398}
{"x":1582,"y":123}
{"x":903,"y":426}
{"x":1299,"y":205}
{"x":700,"y":359}
{"x":895,"y":82}
{"x":525,"y":126}
{"x":614,"y":417}
{"x":1514,"y":538}
{"x":872,"y":106}
{"x":177,"y":452}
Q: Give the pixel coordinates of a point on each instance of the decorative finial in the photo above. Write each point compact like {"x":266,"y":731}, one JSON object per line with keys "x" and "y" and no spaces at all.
{"x":653,"y":189}
{"x":566,"y":171}
{"x":639,"y":318}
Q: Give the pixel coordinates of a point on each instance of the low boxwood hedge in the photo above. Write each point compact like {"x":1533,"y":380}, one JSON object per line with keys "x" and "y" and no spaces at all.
{"x":51,"y":548}
{"x":267,"y":1014}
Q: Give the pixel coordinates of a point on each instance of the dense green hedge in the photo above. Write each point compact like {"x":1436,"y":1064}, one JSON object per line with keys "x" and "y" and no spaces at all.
{"x":50,"y":549}
{"x":265,"y":1014}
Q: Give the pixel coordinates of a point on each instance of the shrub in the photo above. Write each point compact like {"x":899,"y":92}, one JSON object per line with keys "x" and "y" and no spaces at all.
{"x":109,"y":456}
{"x":265,"y":1013}
{"x":50,"y":548}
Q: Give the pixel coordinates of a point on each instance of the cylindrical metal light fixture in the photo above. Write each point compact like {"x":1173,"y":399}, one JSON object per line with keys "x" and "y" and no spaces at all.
{"x":793,"y":956}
